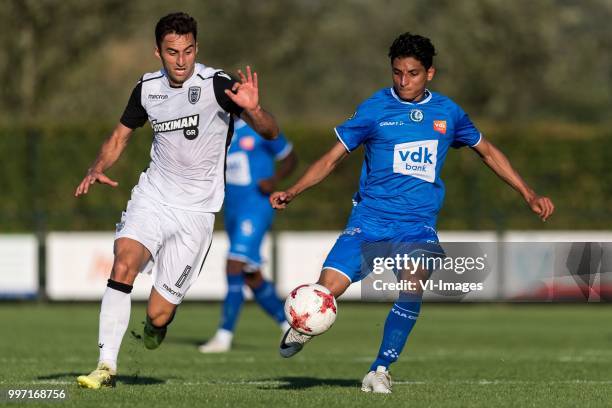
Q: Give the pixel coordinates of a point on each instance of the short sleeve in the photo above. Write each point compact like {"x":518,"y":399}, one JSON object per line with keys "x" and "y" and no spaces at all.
{"x":134,"y":115}
{"x":279,"y":148}
{"x":356,"y":129}
{"x":466,"y":134}
{"x":221,"y":82}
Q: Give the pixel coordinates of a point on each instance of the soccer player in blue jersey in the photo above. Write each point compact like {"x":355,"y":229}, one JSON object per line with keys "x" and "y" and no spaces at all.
{"x":406,"y":131}
{"x":251,"y":176}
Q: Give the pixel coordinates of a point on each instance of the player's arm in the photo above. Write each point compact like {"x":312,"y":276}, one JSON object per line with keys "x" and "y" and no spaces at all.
{"x":499,"y":163}
{"x":242,"y":99}
{"x":261,"y":121}
{"x":284,"y":168}
{"x":134,"y":116}
{"x":246,"y":95}
{"x":316,"y":173}
{"x":109,"y":153}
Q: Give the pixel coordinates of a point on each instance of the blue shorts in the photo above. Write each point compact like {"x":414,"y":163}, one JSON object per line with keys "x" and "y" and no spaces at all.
{"x":246,"y":228}
{"x":367,"y":236}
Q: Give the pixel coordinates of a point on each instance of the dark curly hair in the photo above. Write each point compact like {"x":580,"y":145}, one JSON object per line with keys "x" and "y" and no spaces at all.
{"x":178,"y":23}
{"x":412,"y":45}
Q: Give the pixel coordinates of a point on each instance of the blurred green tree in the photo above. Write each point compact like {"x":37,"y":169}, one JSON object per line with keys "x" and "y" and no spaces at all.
{"x":43,"y":40}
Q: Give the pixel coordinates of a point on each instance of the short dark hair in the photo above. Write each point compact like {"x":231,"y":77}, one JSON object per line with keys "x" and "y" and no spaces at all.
{"x":178,"y":23}
{"x":412,"y":45}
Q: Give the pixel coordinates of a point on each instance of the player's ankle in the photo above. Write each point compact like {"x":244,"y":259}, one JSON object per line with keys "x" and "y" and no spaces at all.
{"x":224,"y":335}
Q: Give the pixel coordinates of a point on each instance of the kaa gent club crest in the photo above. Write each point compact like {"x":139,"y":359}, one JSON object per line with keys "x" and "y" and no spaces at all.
{"x":194,"y":94}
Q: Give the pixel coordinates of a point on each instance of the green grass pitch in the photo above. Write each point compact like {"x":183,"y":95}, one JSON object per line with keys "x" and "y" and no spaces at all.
{"x":457,"y":356}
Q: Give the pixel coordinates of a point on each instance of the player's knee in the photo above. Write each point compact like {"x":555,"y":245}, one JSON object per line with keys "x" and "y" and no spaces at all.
{"x":334,"y":281}
{"x":254,"y":279}
{"x":234,"y":267}
{"x":123,"y":272}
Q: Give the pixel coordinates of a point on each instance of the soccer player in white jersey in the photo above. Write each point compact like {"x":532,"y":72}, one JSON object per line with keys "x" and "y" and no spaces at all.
{"x":168,"y":224}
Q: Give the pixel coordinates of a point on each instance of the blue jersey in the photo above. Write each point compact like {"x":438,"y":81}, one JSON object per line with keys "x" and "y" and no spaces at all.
{"x":250,"y":159}
{"x":405,"y":148}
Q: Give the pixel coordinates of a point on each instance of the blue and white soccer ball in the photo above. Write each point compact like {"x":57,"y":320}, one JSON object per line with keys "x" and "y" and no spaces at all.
{"x":311,"y":309}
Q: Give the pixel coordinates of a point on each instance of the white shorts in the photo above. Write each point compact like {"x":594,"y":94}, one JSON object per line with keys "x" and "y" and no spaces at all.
{"x":178,"y":241}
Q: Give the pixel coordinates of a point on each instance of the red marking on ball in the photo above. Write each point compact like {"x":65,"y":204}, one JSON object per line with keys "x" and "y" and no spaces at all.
{"x":294,"y":291}
{"x":328,"y":301}
{"x":299,"y":321}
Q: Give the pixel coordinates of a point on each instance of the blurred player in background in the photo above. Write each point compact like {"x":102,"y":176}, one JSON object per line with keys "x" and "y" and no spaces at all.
{"x":168,"y":224}
{"x":406,"y":131}
{"x":250,"y":179}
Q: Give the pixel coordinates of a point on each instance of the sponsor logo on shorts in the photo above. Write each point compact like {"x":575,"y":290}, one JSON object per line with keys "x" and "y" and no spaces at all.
{"x":246,"y":227}
{"x":172,"y":292}
{"x":351,"y":231}
{"x":181,"y":280}
{"x":417,"y":159}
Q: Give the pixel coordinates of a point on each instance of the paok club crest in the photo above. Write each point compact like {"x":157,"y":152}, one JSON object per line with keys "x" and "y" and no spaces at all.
{"x":194,"y":94}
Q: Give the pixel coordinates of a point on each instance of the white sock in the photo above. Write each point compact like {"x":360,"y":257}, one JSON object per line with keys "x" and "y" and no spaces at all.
{"x":114,"y":320}
{"x":225,"y":336}
{"x":284,"y":326}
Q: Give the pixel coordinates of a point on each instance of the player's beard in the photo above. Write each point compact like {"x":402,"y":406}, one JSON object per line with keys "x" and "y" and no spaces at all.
{"x":171,"y":74}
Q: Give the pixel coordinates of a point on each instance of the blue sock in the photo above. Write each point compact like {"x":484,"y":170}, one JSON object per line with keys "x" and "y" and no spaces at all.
{"x":266,"y":297}
{"x":233,"y":302}
{"x":400,"y":321}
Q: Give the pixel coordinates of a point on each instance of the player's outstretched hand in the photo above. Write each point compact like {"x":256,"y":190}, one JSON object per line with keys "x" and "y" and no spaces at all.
{"x":92,"y":177}
{"x":280,"y":199}
{"x":542,"y":206}
{"x":246,"y":92}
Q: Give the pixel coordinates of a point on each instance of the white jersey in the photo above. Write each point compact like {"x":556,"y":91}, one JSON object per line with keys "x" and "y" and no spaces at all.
{"x":192,"y":126}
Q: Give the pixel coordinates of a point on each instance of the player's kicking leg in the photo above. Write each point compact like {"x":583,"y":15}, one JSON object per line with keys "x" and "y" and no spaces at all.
{"x":293,"y":341}
{"x":399,"y":323}
{"x":130,"y":255}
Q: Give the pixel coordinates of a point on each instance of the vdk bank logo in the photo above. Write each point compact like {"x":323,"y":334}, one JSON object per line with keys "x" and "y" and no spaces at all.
{"x":417,"y":159}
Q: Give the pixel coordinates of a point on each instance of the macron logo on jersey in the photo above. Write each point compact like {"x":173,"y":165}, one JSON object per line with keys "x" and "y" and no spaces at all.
{"x":417,"y":159}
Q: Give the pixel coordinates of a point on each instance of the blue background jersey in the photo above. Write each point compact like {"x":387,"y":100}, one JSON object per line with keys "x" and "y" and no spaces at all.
{"x":405,"y":147}
{"x":250,"y":159}
{"x":248,"y":215}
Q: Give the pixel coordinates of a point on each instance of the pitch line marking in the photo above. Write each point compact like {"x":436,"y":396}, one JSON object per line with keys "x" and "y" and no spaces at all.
{"x":288,"y":383}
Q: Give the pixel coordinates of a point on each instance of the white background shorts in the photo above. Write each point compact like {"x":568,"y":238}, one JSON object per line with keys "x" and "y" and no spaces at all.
{"x":178,"y":241}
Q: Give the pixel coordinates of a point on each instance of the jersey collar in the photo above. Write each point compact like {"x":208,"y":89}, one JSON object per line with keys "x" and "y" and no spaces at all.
{"x":426,"y":97}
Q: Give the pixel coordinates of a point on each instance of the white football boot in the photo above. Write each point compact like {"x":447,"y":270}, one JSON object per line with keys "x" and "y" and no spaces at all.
{"x":221,"y":342}
{"x":292,"y":343}
{"x":378,"y":381}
